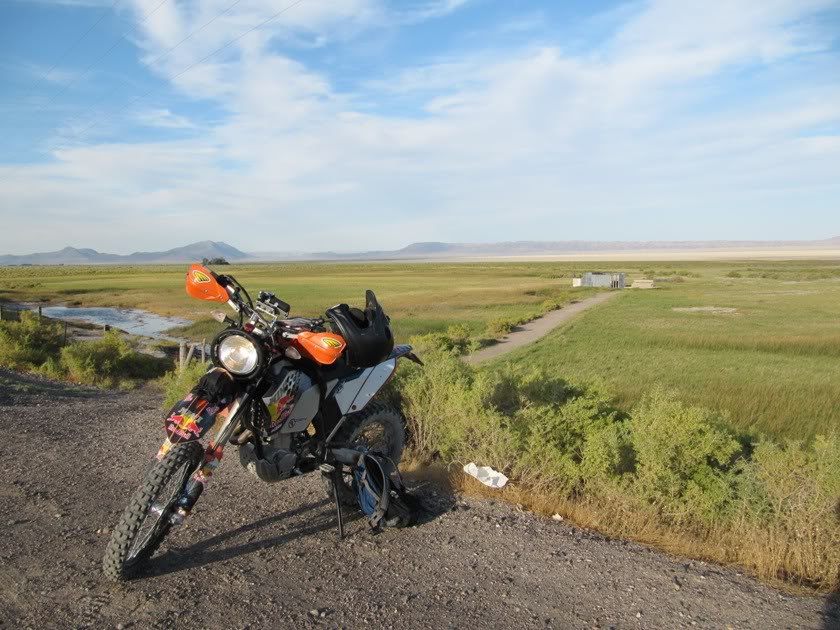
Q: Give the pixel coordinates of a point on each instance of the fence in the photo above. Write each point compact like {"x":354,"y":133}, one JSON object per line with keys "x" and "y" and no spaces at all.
{"x":186,"y":352}
{"x":10,"y":312}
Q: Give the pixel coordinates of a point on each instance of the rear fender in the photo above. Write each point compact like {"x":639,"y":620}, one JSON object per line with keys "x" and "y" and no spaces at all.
{"x":405,"y":351}
{"x":353,"y":393}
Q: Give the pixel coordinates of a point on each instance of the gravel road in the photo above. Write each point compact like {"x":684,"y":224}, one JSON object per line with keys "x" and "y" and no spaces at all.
{"x":534,"y":330}
{"x":261,"y":556}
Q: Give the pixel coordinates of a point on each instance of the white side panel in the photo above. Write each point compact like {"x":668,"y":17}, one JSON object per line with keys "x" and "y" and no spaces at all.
{"x":348,"y":390}
{"x":379,"y":375}
{"x":303,"y":411}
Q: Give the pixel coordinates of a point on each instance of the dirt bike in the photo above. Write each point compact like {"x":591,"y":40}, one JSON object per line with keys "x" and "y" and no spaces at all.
{"x":295,"y":395}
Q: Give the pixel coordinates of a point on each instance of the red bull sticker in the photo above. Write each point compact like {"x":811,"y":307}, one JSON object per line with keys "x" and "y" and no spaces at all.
{"x":184,"y":425}
{"x":280,"y":410}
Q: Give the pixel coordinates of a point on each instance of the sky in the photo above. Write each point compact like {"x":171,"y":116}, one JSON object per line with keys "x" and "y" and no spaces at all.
{"x":351,"y":125}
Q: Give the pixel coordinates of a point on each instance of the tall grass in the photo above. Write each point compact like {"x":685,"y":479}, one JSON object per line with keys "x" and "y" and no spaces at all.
{"x":666,"y":473}
{"x":772,"y":367}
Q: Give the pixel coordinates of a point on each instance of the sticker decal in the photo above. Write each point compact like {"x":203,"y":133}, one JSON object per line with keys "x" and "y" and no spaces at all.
{"x":184,"y":425}
{"x":280,"y":410}
{"x":330,"y":342}
{"x":200,"y":277}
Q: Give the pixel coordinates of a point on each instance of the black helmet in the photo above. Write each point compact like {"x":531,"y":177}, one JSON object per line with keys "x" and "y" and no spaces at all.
{"x":367,"y":333}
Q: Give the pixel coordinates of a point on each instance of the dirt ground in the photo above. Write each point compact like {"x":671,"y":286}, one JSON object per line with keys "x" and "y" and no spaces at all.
{"x":260,"y":556}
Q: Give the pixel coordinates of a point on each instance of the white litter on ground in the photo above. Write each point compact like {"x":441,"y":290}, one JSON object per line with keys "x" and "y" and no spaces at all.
{"x":486,"y":475}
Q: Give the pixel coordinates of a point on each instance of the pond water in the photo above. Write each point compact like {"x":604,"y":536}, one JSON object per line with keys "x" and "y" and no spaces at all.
{"x":132,"y":320}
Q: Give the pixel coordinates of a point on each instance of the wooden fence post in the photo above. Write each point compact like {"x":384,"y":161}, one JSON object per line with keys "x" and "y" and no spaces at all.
{"x":203,"y":348}
{"x":64,"y":342}
{"x":190,"y":355}
{"x":182,"y":355}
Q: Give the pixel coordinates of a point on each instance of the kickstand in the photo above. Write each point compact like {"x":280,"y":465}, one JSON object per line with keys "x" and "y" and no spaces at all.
{"x":336,"y":475}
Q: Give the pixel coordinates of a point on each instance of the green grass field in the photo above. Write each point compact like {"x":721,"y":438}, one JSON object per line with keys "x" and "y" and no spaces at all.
{"x":773,"y":365}
{"x":420,"y":298}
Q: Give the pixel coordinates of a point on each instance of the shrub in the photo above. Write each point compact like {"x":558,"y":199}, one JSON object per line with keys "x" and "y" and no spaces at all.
{"x":668,"y":473}
{"x":555,"y":437}
{"x":27,"y":344}
{"x":449,"y":414}
{"x":608,"y":458}
{"x":789,"y":499}
{"x":109,"y":362}
{"x":683,"y":459}
{"x":456,"y":340}
{"x":501,"y":326}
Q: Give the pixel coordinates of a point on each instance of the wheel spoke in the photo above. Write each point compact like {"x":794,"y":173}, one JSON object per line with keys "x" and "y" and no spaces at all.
{"x":156,"y":517}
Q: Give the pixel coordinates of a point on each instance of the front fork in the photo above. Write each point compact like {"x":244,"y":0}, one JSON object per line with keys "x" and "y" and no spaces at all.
{"x":220,"y":433}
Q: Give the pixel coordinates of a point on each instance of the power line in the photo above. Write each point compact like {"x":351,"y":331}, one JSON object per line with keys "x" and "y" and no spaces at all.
{"x":196,"y":32}
{"x":190,"y":67}
{"x":116,"y":42}
{"x":148,"y":64}
{"x":67,"y":50}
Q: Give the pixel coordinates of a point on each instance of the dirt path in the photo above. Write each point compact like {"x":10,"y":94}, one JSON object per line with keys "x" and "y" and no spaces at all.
{"x":255,"y":555}
{"x":530,"y":332}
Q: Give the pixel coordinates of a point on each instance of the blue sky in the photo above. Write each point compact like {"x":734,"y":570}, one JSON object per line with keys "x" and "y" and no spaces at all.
{"x":369,"y":124}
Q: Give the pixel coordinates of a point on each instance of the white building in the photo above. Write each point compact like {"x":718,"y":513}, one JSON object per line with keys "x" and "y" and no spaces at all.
{"x":602,"y":279}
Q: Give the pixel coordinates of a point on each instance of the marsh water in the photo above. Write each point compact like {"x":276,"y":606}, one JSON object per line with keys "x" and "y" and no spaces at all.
{"x":132,"y":320}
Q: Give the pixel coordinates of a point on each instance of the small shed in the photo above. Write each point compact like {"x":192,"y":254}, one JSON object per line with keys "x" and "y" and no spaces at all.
{"x":602,"y":279}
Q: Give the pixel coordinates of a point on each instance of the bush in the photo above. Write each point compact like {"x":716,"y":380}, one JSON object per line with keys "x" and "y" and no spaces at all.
{"x":683,"y":459}
{"x":456,"y":340}
{"x":555,"y":437}
{"x":667,"y":473}
{"x":109,"y":362}
{"x":501,"y":326}
{"x":789,"y":499}
{"x":27,"y":344}
{"x":449,"y":413}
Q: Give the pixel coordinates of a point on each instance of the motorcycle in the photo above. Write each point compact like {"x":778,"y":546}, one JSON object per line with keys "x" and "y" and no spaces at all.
{"x":295,"y":395}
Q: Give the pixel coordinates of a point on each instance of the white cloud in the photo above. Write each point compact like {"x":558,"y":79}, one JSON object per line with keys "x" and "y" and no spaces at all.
{"x":536,"y":143}
{"x":163,"y":119}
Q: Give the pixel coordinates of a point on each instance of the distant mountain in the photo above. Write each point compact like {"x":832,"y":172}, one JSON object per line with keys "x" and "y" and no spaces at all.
{"x":435,"y":250}
{"x":417,"y":251}
{"x":73,"y":256}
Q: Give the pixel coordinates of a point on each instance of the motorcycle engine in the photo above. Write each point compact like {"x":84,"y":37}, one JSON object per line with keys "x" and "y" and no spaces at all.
{"x":277,"y":463}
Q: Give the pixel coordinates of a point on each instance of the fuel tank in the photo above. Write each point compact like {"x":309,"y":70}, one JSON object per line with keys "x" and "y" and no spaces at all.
{"x":292,"y":399}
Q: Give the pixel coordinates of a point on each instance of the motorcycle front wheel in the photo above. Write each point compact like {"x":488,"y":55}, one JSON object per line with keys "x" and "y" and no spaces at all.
{"x":146,"y":520}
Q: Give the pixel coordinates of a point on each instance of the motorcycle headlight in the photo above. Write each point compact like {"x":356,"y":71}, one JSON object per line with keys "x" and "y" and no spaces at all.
{"x":238,"y":354}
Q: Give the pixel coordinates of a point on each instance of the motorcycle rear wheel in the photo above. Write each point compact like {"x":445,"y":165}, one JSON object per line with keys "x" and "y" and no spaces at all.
{"x":379,"y":428}
{"x":145,"y":522}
